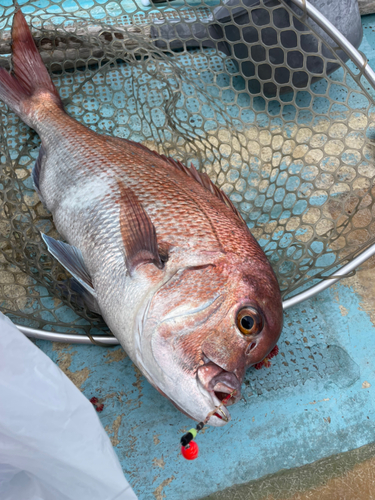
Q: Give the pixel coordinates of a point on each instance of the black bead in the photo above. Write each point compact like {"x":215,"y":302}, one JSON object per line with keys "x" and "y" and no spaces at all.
{"x":200,"y":426}
{"x":186,"y":438}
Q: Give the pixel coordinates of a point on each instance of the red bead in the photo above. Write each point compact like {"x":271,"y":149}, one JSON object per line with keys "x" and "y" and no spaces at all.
{"x":99,"y":408}
{"x":191,"y":451}
{"x":94,"y":401}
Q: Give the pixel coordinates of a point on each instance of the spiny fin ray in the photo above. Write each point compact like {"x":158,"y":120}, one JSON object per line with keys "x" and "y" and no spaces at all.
{"x":200,"y":177}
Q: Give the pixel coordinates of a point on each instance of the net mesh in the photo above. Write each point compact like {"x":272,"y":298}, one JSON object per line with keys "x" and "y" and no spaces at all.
{"x":249,"y":93}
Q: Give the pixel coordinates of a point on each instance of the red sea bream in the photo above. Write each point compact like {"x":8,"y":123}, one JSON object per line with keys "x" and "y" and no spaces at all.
{"x":158,"y":250}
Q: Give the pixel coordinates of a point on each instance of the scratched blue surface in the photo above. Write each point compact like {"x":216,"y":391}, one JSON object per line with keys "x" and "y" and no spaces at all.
{"x":308,"y":405}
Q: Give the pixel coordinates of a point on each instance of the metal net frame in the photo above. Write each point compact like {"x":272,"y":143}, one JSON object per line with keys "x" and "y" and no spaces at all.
{"x":263,"y":102}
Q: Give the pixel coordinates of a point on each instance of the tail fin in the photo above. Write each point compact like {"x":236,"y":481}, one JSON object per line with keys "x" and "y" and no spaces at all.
{"x":30,"y":76}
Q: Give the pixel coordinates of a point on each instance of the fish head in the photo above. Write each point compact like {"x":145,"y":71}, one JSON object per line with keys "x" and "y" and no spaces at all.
{"x":203,"y":328}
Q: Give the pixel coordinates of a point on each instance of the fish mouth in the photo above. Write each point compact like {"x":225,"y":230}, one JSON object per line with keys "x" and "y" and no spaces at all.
{"x":223,"y":388}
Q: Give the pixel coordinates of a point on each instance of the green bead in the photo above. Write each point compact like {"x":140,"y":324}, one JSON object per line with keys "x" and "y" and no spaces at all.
{"x":193,"y":432}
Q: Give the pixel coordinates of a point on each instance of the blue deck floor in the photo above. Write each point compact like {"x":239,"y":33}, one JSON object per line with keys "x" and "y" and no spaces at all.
{"x":316,"y":400}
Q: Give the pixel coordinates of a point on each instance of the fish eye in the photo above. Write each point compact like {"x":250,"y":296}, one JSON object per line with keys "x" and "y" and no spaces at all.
{"x":250,"y":321}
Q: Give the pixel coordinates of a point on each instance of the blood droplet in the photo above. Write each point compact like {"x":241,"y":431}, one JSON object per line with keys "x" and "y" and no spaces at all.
{"x":266,"y":362}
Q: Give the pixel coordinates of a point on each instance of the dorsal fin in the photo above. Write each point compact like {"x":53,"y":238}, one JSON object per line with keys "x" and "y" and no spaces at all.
{"x":206,"y":182}
{"x":192,"y":172}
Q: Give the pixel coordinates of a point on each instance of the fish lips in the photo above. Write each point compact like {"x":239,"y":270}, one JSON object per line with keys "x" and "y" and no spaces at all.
{"x":219,"y":384}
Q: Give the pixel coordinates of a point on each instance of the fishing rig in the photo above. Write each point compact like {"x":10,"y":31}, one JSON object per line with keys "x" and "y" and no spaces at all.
{"x":189,"y":448}
{"x":266,"y":96}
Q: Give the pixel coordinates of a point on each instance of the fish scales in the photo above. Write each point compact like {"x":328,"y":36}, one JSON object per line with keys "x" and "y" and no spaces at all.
{"x":167,"y":193}
{"x":154,"y":247}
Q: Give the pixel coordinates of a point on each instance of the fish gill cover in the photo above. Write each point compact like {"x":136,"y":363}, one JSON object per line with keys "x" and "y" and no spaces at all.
{"x":245,"y":92}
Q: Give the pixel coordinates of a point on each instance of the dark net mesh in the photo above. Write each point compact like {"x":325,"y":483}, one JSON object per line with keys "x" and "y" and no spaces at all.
{"x":244,"y":91}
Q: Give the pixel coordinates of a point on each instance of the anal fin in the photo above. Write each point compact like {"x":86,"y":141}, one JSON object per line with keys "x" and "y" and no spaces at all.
{"x":37,"y":169}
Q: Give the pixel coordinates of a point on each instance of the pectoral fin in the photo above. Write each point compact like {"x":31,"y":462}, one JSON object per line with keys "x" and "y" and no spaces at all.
{"x":138,"y":232}
{"x":89,"y":298}
{"x":71,"y":258}
{"x":82,"y":296}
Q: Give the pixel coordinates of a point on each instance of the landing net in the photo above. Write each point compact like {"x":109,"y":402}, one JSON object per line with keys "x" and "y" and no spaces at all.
{"x":252,"y":93}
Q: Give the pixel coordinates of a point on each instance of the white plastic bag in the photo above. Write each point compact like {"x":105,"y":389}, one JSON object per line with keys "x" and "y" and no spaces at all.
{"x":52,"y":444}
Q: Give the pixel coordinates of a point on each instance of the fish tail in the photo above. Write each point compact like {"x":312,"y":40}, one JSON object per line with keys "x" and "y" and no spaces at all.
{"x":30,"y":81}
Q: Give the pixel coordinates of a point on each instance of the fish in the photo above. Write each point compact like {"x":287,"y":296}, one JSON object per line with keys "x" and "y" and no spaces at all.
{"x":154,"y":246}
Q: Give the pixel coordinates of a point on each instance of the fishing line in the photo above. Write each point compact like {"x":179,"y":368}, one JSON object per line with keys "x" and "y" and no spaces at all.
{"x":189,"y":448}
